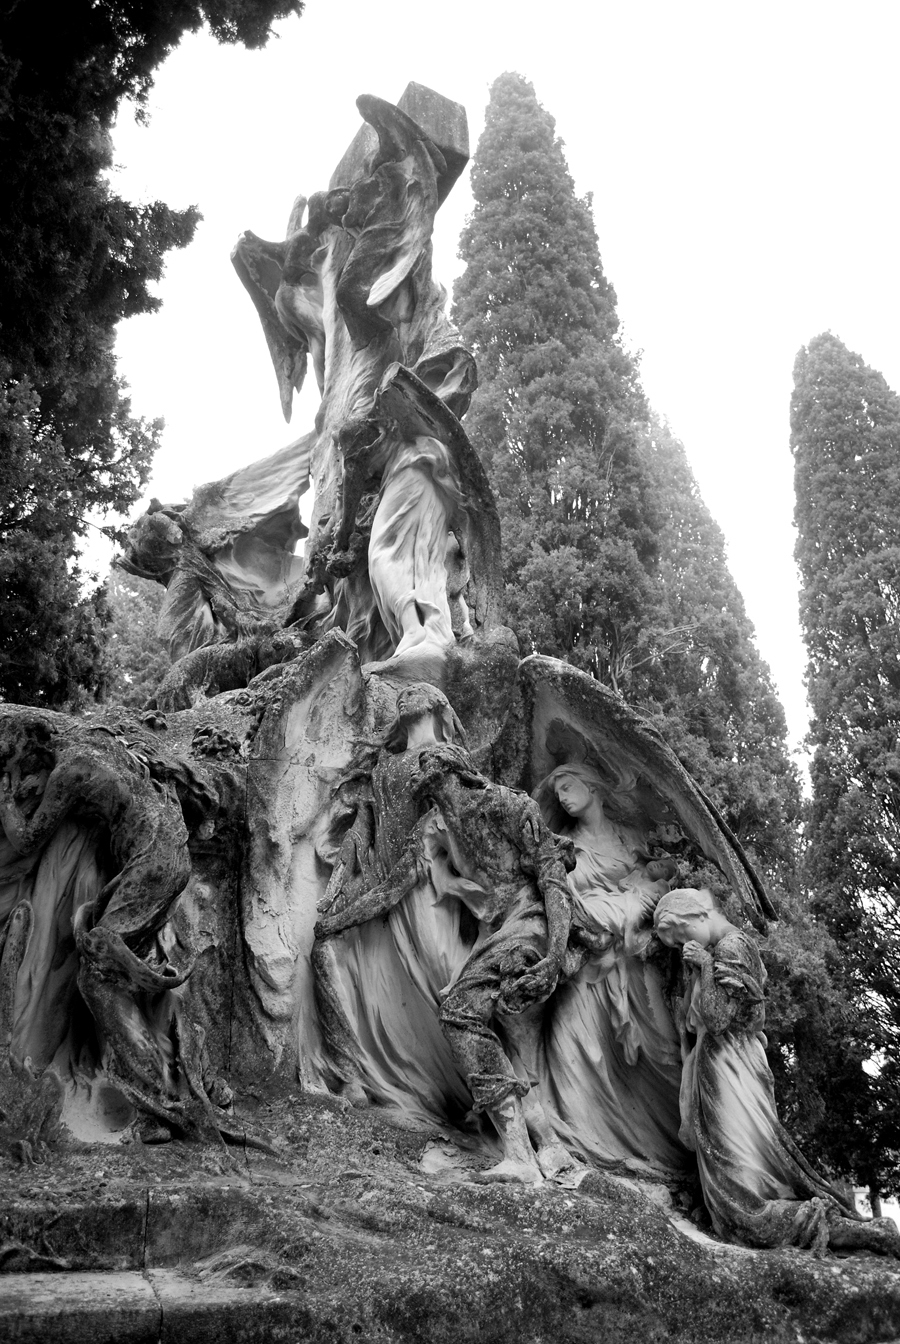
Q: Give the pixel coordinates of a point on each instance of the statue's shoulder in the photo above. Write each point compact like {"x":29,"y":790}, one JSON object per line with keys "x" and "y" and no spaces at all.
{"x":739,"y":966}
{"x":737,"y":946}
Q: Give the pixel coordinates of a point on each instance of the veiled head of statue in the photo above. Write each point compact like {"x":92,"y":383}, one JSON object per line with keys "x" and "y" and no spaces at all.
{"x":424,"y":716}
{"x":683,"y":914}
{"x":567,"y":793}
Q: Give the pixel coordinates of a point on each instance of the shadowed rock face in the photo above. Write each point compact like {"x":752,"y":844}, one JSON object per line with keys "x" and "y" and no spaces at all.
{"x":358,"y":855}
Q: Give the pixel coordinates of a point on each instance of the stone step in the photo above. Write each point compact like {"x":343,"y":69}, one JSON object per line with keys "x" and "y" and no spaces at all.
{"x":156,"y":1307}
{"x":131,"y":1227}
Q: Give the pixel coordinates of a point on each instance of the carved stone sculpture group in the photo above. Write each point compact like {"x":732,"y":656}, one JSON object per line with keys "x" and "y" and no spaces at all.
{"x":357,"y":843}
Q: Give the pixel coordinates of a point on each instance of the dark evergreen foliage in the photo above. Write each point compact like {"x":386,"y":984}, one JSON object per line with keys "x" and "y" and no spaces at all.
{"x":136,"y":659}
{"x":611,"y":558}
{"x":703,"y":681}
{"x":845,"y":424}
{"x":74,"y":260}
{"x":554,"y":418}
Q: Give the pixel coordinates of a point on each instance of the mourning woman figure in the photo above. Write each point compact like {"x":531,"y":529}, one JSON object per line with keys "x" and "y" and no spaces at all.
{"x":610,"y":1049}
{"x":758,"y":1187}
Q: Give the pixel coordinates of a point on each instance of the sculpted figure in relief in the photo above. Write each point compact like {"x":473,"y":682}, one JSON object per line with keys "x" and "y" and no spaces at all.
{"x":403,"y":474}
{"x":93,"y":856}
{"x":610,"y":1045}
{"x":489,"y":849}
{"x":350,"y":285}
{"x":353,"y":285}
{"x":380,"y":980}
{"x":480,"y":847}
{"x":757,"y":1185}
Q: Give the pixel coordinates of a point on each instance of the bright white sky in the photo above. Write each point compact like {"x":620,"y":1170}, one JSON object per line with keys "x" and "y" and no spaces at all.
{"x":743,"y":164}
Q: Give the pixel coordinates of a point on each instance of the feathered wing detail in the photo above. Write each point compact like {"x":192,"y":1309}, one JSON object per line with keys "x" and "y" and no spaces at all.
{"x":227,"y":556}
{"x":570,"y":717}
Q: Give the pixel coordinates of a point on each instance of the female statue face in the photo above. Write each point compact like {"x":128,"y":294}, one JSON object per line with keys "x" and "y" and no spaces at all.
{"x":574,"y":795}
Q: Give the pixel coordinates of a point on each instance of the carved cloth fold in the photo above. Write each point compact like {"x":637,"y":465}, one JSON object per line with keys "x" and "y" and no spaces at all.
{"x":471,"y":1006}
{"x":758,"y":1186}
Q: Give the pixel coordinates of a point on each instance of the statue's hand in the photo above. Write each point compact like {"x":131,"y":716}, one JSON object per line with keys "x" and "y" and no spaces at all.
{"x":694,"y":954}
{"x":528,"y":986}
{"x":594,"y":941}
{"x":328,"y":926}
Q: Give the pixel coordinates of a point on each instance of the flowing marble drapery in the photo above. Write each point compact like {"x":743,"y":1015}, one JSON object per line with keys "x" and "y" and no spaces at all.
{"x":757,"y":1185}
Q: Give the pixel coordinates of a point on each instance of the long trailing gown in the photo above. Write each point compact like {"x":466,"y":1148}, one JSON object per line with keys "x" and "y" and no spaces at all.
{"x":758,"y":1186}
{"x":420,"y":494}
{"x":611,"y":1062}
{"x":391,"y":972}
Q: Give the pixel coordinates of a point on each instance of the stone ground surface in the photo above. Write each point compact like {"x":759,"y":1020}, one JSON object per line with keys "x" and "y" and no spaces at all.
{"x":372,"y":1232}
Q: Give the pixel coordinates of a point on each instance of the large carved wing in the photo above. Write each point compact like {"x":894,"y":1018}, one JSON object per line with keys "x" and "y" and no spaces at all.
{"x":259,"y":265}
{"x":566,"y":716}
{"x":261,"y":498}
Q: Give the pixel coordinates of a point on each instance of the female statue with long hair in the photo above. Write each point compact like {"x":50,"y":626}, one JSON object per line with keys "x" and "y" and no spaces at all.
{"x":610,"y":1047}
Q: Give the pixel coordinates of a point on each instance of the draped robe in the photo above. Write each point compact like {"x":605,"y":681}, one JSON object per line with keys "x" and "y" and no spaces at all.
{"x":611,"y":1061}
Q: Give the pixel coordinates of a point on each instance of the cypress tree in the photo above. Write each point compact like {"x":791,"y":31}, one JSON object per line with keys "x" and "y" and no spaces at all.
{"x":554,"y":416}
{"x":611,"y":559}
{"x":845,"y":437}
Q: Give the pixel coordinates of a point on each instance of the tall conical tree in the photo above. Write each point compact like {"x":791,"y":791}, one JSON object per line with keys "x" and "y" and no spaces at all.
{"x":611,"y":558}
{"x":554,"y":415}
{"x":845,"y":424}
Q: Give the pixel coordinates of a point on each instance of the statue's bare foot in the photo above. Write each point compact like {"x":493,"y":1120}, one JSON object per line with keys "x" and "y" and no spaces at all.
{"x":874,"y":1234}
{"x":884,"y":1238}
{"x":354,"y":1094}
{"x":153,"y":1132}
{"x":553,"y":1159}
{"x":522,"y":1173}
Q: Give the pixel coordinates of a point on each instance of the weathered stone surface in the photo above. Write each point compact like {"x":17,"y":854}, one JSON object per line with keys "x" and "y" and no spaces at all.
{"x":368,"y":1233}
{"x":443,"y":121}
{"x":79,"y":1229}
{"x":211,"y":1311}
{"x":161,"y":1307}
{"x":111,"y":1308}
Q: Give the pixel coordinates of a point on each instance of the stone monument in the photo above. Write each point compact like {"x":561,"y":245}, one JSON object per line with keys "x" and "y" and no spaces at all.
{"x":356,"y":853}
